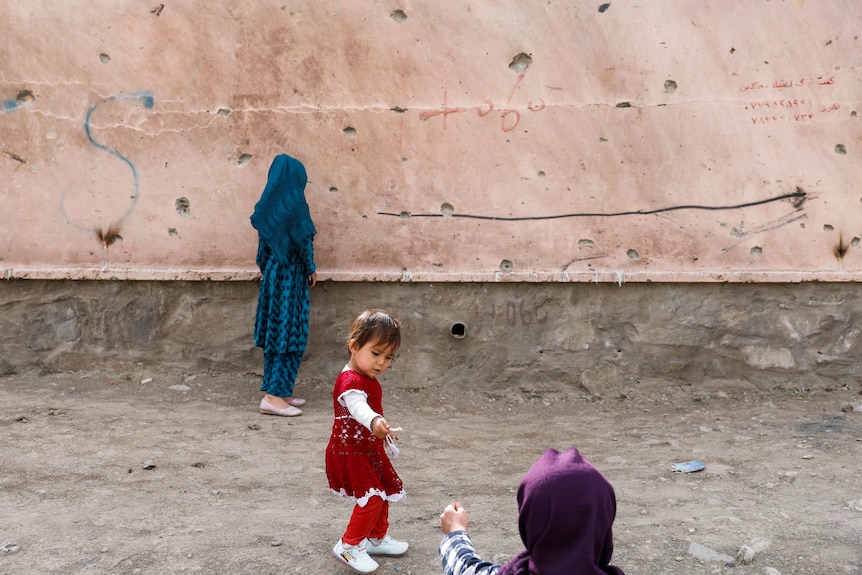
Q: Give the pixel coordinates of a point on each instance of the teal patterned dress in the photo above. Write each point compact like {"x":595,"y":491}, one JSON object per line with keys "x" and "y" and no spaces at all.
{"x":281,"y":322}
{"x":285,"y":256}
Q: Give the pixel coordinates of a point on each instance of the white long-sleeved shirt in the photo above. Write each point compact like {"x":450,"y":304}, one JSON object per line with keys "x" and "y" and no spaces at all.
{"x":356,"y":403}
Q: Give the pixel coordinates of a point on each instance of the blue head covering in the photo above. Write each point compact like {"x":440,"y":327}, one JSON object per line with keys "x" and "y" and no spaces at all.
{"x":281,"y":215}
{"x":566,"y":509}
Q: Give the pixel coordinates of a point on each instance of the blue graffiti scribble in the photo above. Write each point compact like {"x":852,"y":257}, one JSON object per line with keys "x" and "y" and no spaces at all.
{"x":148,"y":101}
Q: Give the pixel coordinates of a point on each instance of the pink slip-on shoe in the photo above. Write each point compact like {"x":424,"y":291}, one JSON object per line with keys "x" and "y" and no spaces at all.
{"x":295,"y":401}
{"x":270,"y":409}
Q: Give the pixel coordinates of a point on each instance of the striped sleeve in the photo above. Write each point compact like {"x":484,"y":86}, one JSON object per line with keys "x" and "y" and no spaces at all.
{"x":459,"y":557}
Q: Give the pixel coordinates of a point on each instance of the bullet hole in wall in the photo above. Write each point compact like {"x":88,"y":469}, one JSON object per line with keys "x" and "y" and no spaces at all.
{"x":604,"y":7}
{"x":109,"y":236}
{"x":855,"y":242}
{"x":585,"y":243}
{"x":447,"y":210}
{"x":349,"y":132}
{"x":520,"y":63}
{"x":183,"y":208}
{"x":669,"y":86}
{"x":827,"y":228}
{"x":506,"y":266}
{"x":840,"y":149}
{"x":841,"y":249}
{"x":24,"y":97}
{"x":633,"y":255}
{"x":243,"y":160}
{"x":458,"y":330}
{"x":104,"y":58}
{"x":541,"y":174}
{"x":624,"y":105}
{"x":172,"y":232}
{"x":404,"y":215}
{"x":223,"y":112}
{"x":333,"y":190}
{"x":756,"y":251}
{"x":398,"y":15}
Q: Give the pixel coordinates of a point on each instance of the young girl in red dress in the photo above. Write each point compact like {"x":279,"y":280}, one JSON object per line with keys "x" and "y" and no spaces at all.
{"x":356,"y":463}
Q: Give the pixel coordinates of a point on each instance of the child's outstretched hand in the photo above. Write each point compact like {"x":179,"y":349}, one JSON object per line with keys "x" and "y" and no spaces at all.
{"x":453,"y":518}
{"x":382,"y":429}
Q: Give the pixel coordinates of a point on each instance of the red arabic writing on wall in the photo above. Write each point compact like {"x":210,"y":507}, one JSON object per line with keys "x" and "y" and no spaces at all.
{"x":510,"y":117}
{"x":778,"y":109}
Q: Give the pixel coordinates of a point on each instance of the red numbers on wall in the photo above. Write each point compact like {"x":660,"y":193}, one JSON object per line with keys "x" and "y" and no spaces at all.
{"x":787,"y":109}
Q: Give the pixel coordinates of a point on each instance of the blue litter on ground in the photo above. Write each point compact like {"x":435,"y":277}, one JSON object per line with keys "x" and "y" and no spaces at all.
{"x":689,"y":466}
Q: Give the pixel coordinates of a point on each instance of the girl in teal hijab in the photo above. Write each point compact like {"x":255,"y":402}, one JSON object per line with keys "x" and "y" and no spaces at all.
{"x":285,"y":256}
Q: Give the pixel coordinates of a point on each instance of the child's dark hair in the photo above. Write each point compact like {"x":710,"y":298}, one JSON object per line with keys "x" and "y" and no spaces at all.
{"x":377,"y":326}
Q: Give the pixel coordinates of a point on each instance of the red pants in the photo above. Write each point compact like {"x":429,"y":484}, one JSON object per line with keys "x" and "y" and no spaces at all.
{"x":369,"y":521}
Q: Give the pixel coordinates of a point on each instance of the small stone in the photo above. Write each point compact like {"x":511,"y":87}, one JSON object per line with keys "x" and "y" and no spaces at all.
{"x":706,"y":554}
{"x":276,"y":542}
{"x":745,"y":554}
{"x":9,"y":548}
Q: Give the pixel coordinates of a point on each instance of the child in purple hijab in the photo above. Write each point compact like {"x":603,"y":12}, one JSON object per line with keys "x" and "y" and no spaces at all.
{"x":566,"y":510}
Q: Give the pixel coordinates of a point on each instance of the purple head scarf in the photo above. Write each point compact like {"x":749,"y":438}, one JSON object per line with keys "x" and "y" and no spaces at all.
{"x":566,"y":509}
{"x":281,"y":215}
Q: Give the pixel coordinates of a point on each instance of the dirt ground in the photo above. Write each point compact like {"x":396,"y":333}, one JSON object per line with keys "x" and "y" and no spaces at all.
{"x":178,"y":473}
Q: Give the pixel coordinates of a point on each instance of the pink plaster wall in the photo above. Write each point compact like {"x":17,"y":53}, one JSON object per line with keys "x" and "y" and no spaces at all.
{"x":732,"y":123}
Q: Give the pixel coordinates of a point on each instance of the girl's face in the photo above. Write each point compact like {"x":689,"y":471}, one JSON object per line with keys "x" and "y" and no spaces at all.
{"x":371,"y":359}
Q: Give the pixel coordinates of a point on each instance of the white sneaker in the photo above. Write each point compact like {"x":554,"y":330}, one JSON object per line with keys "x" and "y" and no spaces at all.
{"x":355,"y":557}
{"x":387,"y":546}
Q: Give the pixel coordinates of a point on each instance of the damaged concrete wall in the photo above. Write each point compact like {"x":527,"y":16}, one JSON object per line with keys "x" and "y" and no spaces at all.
{"x":444,"y":141}
{"x":526,"y":339}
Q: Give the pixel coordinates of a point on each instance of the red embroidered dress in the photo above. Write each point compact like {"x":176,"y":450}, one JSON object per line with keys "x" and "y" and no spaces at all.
{"x":356,"y":463}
